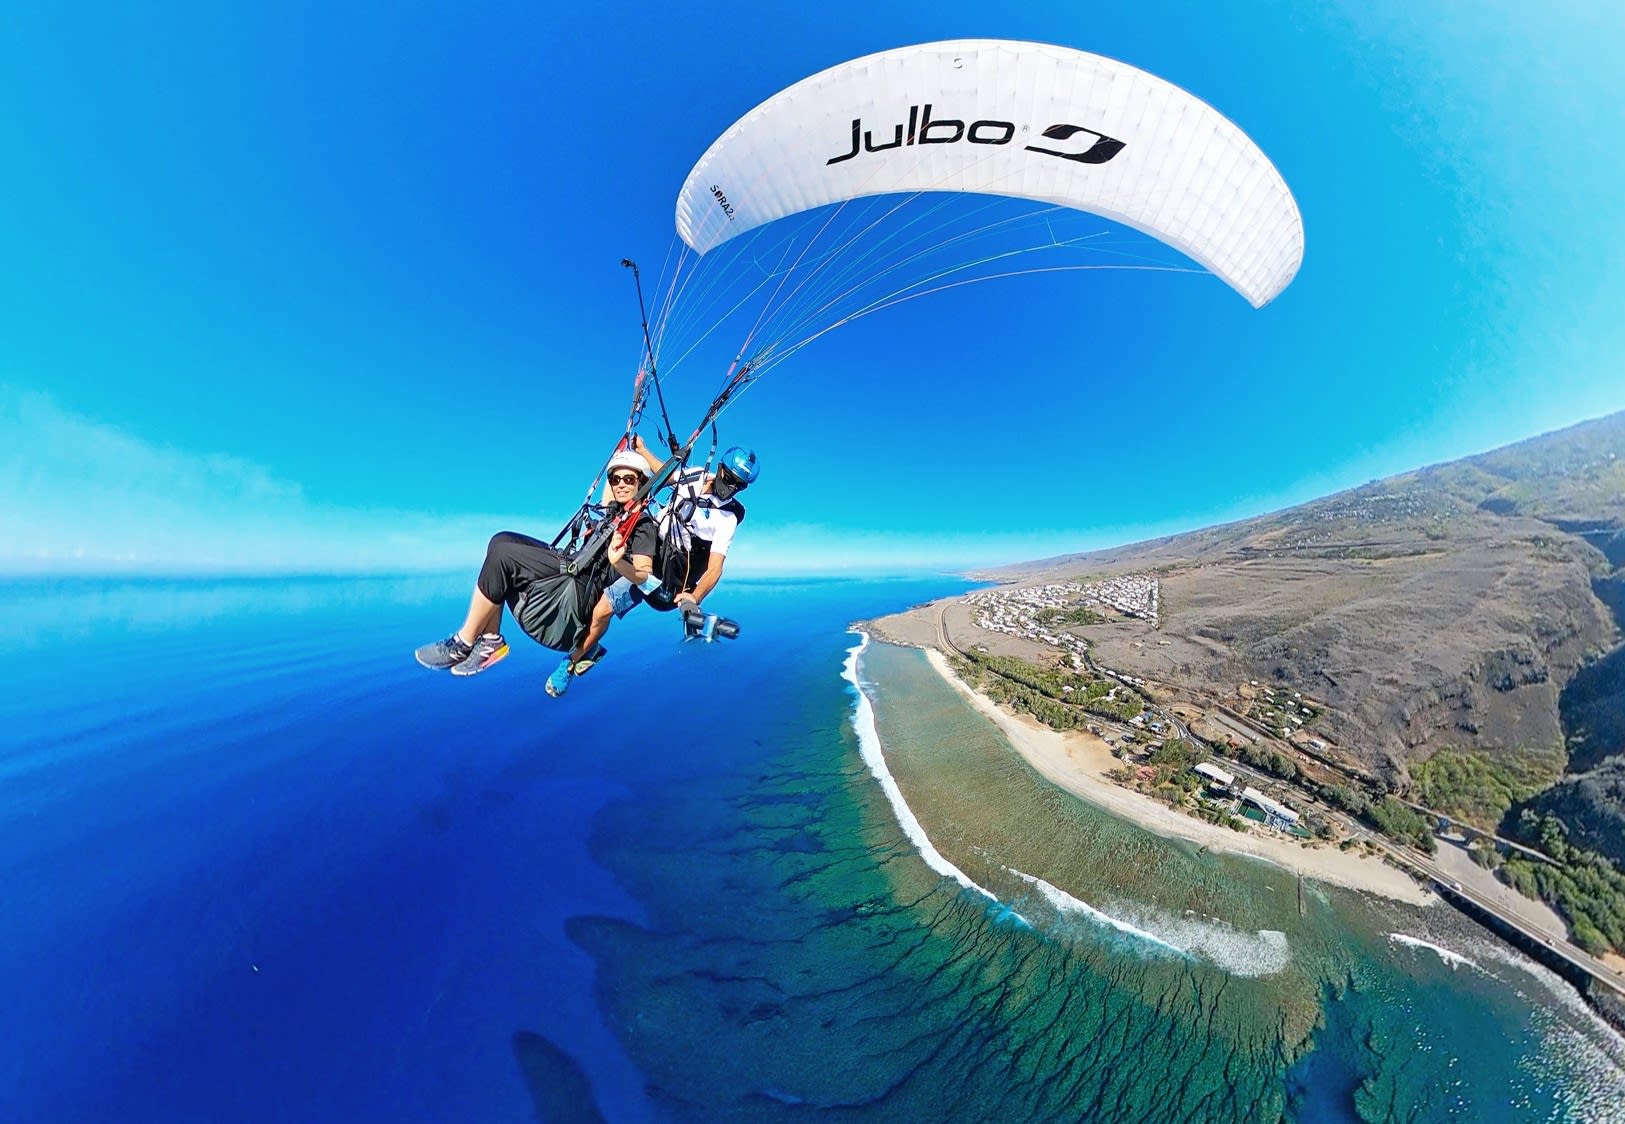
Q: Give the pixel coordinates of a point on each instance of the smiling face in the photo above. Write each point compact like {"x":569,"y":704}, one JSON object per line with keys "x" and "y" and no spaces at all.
{"x":624,"y":484}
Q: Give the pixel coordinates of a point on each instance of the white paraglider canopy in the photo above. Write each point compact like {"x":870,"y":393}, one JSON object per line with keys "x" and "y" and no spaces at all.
{"x":1025,"y":120}
{"x":916,"y":171}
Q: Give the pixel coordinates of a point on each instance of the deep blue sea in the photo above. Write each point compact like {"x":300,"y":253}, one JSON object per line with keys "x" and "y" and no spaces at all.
{"x":257,"y":865}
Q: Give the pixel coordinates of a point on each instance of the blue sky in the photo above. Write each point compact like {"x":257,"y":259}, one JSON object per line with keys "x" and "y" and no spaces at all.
{"x":320,"y":287}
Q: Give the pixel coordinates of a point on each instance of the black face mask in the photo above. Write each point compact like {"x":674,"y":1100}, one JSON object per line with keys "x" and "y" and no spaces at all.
{"x":725,"y":484}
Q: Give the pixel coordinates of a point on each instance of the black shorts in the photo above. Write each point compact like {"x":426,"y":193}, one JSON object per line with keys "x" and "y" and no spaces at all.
{"x":512,"y":562}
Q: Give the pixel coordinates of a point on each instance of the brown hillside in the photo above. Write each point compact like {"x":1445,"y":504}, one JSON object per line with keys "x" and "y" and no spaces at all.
{"x":1443,"y":608}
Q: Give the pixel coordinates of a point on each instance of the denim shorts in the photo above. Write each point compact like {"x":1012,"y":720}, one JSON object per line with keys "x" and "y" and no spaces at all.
{"x":623,"y":596}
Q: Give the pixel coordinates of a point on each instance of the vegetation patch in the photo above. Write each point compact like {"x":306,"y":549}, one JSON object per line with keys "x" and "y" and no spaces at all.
{"x":1060,"y":698}
{"x":1587,"y":889}
{"x":1402,"y":823}
{"x":1479,"y":788}
{"x":1271,"y":761}
{"x":1063,"y":618}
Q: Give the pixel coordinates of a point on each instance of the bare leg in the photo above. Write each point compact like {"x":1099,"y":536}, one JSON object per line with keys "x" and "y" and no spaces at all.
{"x":602,"y":614}
{"x":484,"y":615}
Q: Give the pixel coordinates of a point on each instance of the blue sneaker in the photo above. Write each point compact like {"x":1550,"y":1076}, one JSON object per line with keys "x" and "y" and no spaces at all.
{"x":559,"y":681}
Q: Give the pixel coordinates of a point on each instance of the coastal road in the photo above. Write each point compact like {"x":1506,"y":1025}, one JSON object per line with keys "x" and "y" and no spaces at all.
{"x":942,"y":632}
{"x":1446,"y":886}
{"x":1528,"y":921}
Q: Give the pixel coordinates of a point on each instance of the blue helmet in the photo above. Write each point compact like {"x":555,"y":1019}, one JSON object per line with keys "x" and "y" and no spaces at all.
{"x":741,"y":465}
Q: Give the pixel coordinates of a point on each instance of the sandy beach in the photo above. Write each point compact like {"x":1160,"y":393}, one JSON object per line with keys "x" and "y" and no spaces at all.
{"x":1079,"y":763}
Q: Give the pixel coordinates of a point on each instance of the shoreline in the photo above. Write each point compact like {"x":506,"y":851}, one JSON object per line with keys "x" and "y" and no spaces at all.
{"x":1078,"y":762}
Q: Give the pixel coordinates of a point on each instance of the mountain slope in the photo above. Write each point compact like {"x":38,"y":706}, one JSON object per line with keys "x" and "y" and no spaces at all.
{"x":1447,"y":608}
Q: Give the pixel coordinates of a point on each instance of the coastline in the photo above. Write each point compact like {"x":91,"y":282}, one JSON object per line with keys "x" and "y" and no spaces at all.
{"x":1078,"y":763}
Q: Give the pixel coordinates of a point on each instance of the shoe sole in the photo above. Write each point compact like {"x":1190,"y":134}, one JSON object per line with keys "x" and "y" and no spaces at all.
{"x":495,"y":657}
{"x":585,"y":664}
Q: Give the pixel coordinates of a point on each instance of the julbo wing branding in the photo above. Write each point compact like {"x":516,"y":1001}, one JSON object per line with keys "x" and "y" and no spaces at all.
{"x":1077,"y":143}
{"x":1091,"y":148}
{"x":1097,"y":151}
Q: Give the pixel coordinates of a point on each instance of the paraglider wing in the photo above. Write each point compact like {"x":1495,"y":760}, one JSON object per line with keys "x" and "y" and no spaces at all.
{"x":1006,"y":118}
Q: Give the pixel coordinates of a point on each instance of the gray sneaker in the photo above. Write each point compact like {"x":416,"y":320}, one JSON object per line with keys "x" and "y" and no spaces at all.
{"x":443,"y":653}
{"x":488,"y":649}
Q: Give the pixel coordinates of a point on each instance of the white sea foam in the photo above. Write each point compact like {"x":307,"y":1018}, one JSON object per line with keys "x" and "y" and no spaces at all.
{"x":1066,"y":903}
{"x":1577,"y":1042}
{"x":1236,"y":951}
{"x":1561,"y":991}
{"x":863,"y":722}
{"x":1240,"y":952}
{"x":1454,"y":959}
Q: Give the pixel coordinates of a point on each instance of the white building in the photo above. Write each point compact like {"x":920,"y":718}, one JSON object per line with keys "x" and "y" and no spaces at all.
{"x":1276,"y":815}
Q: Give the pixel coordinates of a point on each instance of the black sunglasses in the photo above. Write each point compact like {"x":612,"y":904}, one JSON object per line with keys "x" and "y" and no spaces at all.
{"x":625,"y":478}
{"x":728,"y":479}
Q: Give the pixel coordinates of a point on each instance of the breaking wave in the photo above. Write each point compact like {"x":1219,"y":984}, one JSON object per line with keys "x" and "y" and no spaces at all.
{"x":1263,"y":952}
{"x":863,"y":722}
{"x":1236,"y":951}
{"x":1065,"y":903}
{"x":1454,"y":959}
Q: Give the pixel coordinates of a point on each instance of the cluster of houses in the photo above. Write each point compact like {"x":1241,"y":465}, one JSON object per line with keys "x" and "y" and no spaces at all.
{"x":1370,"y":507}
{"x":1029,"y":611}
{"x":1133,"y":595}
{"x":1282,"y":711}
{"x":1021,"y":612}
{"x":1384,"y":507}
{"x":1276,"y":814}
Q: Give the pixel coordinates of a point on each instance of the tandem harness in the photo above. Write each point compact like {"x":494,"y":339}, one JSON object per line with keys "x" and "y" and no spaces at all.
{"x":555,"y":610}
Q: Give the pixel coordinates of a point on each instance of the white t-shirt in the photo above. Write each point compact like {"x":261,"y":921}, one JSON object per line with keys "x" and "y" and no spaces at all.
{"x":709,"y":523}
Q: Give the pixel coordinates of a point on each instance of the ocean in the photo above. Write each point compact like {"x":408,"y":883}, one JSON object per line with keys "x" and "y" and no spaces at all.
{"x":258,"y":866}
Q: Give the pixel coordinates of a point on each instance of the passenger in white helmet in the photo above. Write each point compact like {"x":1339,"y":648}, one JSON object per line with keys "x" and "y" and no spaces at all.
{"x":514,"y":561}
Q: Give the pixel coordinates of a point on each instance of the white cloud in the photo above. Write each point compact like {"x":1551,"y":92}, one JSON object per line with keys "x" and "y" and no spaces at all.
{"x":813,"y":548}
{"x":80,"y":495}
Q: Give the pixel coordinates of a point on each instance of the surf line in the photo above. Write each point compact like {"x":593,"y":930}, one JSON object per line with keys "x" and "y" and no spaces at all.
{"x":1066,"y":903}
{"x":863,"y":723}
{"x":1454,"y":959}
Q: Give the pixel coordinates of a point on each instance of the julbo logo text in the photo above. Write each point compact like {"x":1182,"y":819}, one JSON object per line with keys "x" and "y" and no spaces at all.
{"x":921,"y":129}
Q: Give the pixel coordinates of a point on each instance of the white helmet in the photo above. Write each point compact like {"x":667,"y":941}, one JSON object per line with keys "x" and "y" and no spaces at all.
{"x":626,"y":458}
